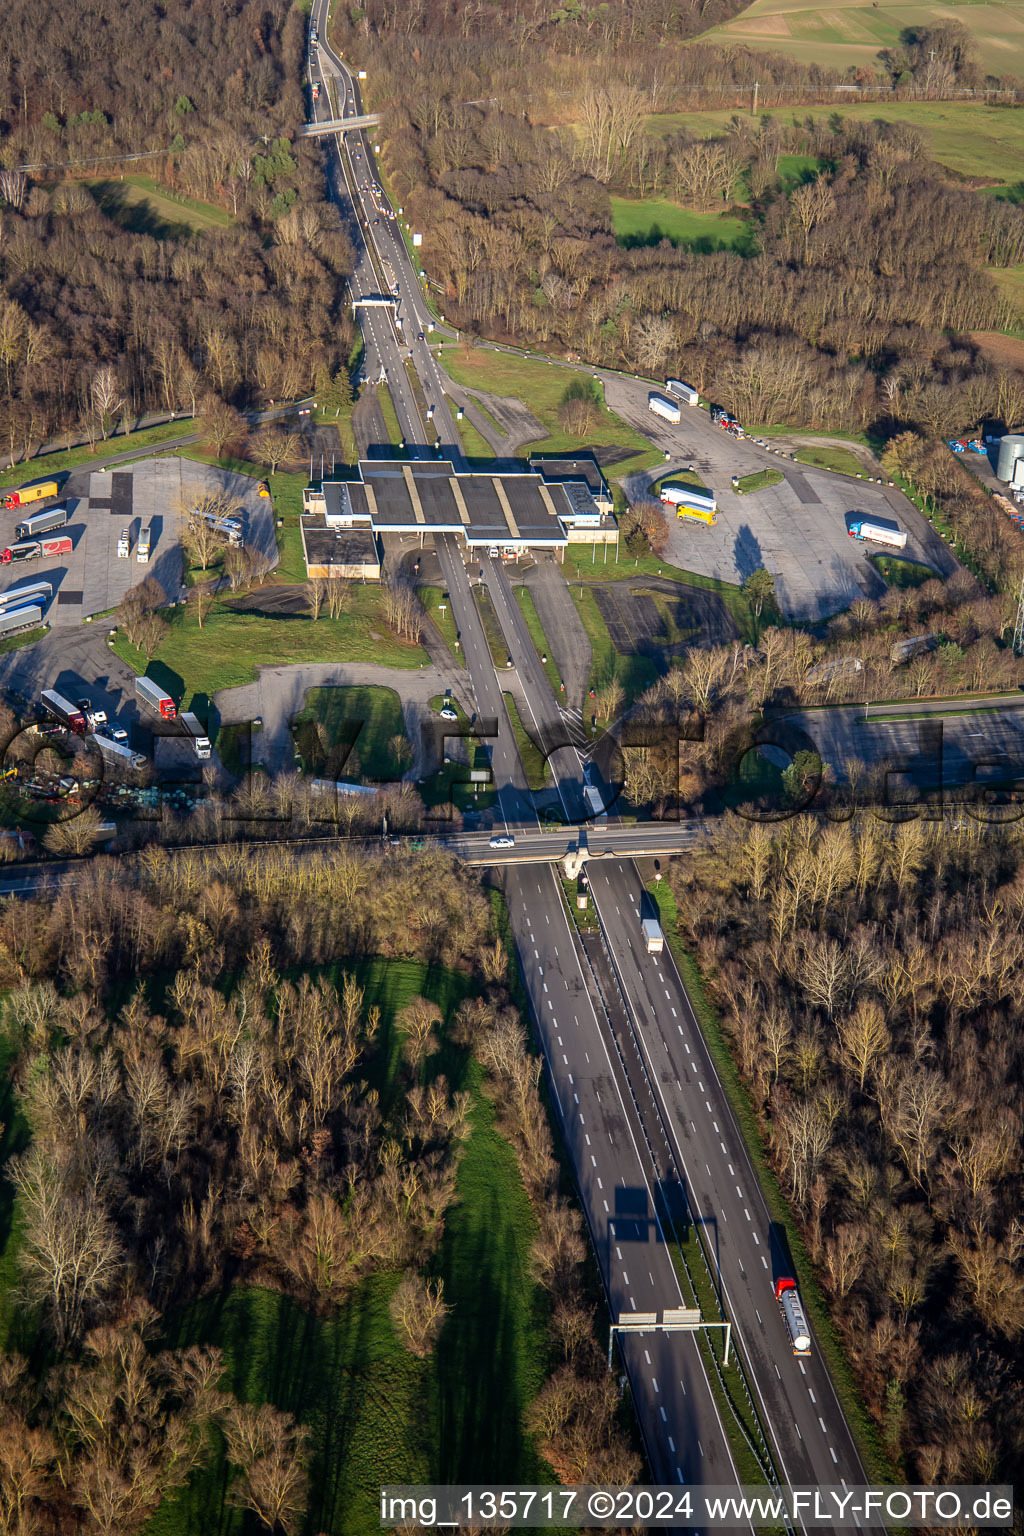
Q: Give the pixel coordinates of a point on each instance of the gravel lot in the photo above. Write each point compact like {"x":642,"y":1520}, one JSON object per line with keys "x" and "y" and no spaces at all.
{"x":100,"y":504}
{"x":797,"y":529}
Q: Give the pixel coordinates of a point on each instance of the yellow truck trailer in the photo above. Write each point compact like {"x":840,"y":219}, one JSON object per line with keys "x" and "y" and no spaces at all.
{"x":29,"y":493}
{"x":700,"y":514}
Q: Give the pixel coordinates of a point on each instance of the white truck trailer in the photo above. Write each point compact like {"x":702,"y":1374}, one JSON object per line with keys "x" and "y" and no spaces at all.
{"x":877,"y":533}
{"x":669,"y":410}
{"x":195,"y":729}
{"x":684,"y":392}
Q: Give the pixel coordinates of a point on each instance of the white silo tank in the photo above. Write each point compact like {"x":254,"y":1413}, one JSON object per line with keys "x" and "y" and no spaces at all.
{"x":1011,"y":448}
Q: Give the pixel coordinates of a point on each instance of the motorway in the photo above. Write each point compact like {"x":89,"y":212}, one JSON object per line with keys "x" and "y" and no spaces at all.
{"x":637,"y":1094}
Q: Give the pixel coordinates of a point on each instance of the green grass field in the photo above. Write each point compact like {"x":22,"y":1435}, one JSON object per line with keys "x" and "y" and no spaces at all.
{"x":967,"y":136}
{"x":901,"y":573}
{"x":851,"y":32}
{"x":541,"y":387}
{"x":146,"y":206}
{"x":654,"y":219}
{"x":231,"y":645}
{"x":828,"y":456}
{"x":367,"y":719}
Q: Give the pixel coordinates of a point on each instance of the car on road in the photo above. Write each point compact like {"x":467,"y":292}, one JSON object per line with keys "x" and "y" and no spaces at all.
{"x":503,"y":841}
{"x":449,"y":714}
{"x":420,"y":336}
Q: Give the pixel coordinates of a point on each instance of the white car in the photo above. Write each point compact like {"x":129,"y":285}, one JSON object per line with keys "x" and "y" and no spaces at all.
{"x":503,"y":840}
{"x":449,"y":714}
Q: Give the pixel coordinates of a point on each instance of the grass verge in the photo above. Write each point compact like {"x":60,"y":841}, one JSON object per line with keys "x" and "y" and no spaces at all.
{"x":492,"y":629}
{"x":524,"y":597}
{"x":758,"y":481}
{"x":433,"y":599}
{"x":62,"y":459}
{"x":387,"y":406}
{"x":535,"y":764}
{"x":875,"y":1460}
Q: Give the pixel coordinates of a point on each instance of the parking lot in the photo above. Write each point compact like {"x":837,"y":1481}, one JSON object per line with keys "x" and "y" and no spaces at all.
{"x":796,"y":529}
{"x":154,"y":494}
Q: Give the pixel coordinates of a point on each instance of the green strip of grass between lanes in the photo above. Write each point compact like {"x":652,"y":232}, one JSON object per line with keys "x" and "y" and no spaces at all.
{"x":534,"y":762}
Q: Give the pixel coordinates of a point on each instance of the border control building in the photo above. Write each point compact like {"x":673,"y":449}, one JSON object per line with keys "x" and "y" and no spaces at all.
{"x":344,"y":522}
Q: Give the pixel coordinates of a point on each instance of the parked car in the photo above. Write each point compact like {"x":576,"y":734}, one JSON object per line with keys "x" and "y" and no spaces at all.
{"x":449,"y":714}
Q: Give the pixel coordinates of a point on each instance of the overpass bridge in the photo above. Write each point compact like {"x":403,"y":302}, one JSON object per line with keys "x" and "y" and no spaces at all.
{"x":339,"y":124}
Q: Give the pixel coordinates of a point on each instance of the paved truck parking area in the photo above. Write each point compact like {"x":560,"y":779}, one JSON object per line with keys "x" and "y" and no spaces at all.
{"x":151,"y":493}
{"x":796,"y":529}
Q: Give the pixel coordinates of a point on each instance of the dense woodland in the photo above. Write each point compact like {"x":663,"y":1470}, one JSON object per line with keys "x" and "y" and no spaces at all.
{"x":232,"y":1118}
{"x":871,"y":979}
{"x":99,"y":317}
{"x":855,"y":270}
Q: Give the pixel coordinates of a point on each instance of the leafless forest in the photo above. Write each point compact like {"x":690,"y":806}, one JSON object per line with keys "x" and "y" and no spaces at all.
{"x":227,"y":1117}
{"x":838,"y":315}
{"x":103,"y":318}
{"x":871,"y":979}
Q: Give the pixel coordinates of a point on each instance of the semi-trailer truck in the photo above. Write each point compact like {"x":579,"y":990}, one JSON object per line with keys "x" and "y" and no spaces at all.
{"x":26,"y":494}
{"x":119,"y":755}
{"x":15,"y":621}
{"x":878,"y":533}
{"x":42,"y":522}
{"x":63,"y":710}
{"x":34,"y":592}
{"x":195,"y":729}
{"x":142,"y":548}
{"x":669,"y":409}
{"x":791,"y":1307}
{"x":36,"y":549}
{"x":676,"y":493}
{"x":685,"y":392}
{"x":156,"y":698}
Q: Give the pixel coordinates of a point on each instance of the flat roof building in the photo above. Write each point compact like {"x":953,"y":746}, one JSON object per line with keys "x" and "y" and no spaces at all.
{"x":584,"y":469}
{"x":511,"y":512}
